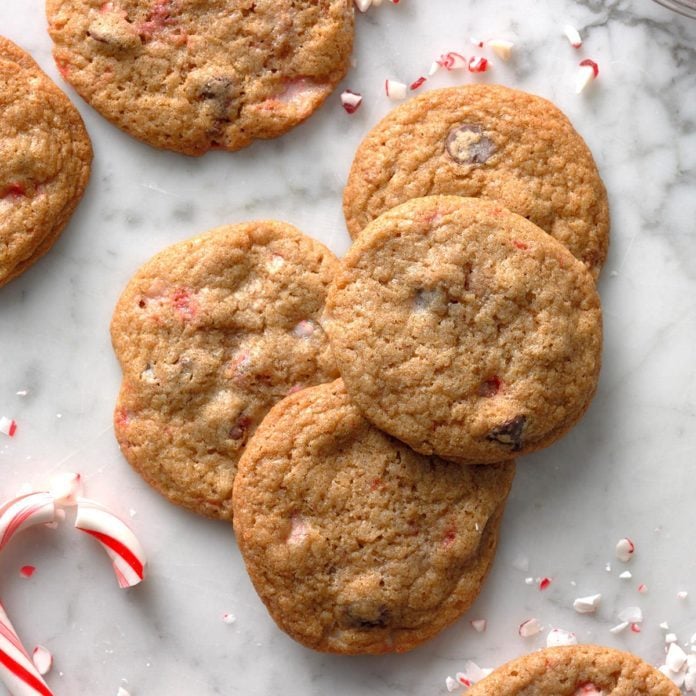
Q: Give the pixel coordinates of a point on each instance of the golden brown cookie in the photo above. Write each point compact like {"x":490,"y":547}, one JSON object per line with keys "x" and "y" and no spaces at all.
{"x":576,"y":670}
{"x":45,"y":154}
{"x":490,"y":142}
{"x":210,"y":333}
{"x":199,"y":74}
{"x":464,"y":330}
{"x":355,"y":543}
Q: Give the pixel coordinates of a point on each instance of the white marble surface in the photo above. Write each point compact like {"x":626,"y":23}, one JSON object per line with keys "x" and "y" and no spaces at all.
{"x":628,"y":469}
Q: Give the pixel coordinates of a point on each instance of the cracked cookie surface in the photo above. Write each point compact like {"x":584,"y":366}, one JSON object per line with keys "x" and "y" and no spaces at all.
{"x":484,"y":141}
{"x":464,"y":330}
{"x":210,"y":333}
{"x":355,"y":543}
{"x":191,"y":75}
{"x":576,"y":670}
{"x":46,"y":157}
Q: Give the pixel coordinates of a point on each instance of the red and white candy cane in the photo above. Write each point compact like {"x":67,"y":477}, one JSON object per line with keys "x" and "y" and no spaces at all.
{"x":116,"y":537}
{"x":17,"y":671}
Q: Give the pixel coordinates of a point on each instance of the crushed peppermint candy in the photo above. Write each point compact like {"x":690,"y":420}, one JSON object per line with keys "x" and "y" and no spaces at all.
{"x":472,"y":673}
{"x":587,"y":605}
{"x":479,"y":625}
{"x":228,"y":618}
{"x":529,"y":581}
{"x":633,"y":615}
{"x":478,"y":64}
{"x":559,"y":636}
{"x":351,"y":101}
{"x":452,"y":61}
{"x":451,"y":684}
{"x":544,"y":583}
{"x":626,"y":575}
{"x":27,"y":571}
{"x":589,"y":70}
{"x":619,"y":628}
{"x":501,"y":48}
{"x":529,"y":628}
{"x":8,"y":426}
{"x":66,"y":488}
{"x":625,"y":549}
{"x":363,"y":5}
{"x":396,"y":91}
{"x":573,"y":35}
{"x":635,"y":628}
{"x":642,"y":588}
{"x":418,"y":83}
{"x":682,"y":594}
{"x":664,"y":626}
{"x":42,"y":659}
{"x":122,"y":692}
{"x":670,"y":638}
{"x":676,"y":658}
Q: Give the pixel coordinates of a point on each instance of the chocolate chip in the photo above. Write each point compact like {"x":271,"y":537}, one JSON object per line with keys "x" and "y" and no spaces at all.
{"x":219,"y":92}
{"x":466,"y":144}
{"x":509,"y":433}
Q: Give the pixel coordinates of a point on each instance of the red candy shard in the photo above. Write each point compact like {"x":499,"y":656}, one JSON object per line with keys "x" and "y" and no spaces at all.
{"x":27,"y":571}
{"x":183,"y":303}
{"x":13,"y":428}
{"x":520,"y":245}
{"x":490,"y":387}
{"x":351,"y":101}
{"x":590,"y":63}
{"x":544,"y":583}
{"x":635,"y":627}
{"x":478,"y":65}
{"x":417,"y":83}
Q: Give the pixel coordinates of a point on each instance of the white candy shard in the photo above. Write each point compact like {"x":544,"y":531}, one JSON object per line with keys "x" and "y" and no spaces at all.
{"x":619,"y":628}
{"x":501,"y":48}
{"x":573,"y":35}
{"x":122,"y":692}
{"x":586,"y":74}
{"x":351,"y":102}
{"x":451,"y":684}
{"x":587,"y":605}
{"x":682,"y":594}
{"x":626,"y":575}
{"x":396,"y":91}
{"x":479,"y":625}
{"x":559,"y":636}
{"x":435,"y":66}
{"x":42,"y":659}
{"x":228,"y":618}
{"x":671,"y":638}
{"x":631,"y":615}
{"x":472,"y":673}
{"x":363,"y":5}
{"x":625,"y":548}
{"x":676,"y":677}
{"x":529,"y":628}
{"x":66,"y":488}
{"x":664,"y":626}
{"x":676,"y":658}
{"x":529,"y":581}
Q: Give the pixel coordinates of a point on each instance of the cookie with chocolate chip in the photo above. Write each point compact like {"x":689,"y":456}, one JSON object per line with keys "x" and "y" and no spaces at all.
{"x":355,"y":543}
{"x":576,"y":670}
{"x":192,"y":76}
{"x":490,"y":142}
{"x":46,"y":157}
{"x":465,"y":330}
{"x":210,"y":333}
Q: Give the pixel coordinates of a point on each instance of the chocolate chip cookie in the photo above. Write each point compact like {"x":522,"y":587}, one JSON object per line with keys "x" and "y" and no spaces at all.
{"x":46,"y":156}
{"x":210,"y":333}
{"x":191,"y":76}
{"x":491,"y":142}
{"x":576,"y":670}
{"x":355,"y":543}
{"x":464,"y":330}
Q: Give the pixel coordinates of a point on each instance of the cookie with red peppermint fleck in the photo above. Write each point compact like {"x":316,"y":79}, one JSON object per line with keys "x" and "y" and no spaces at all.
{"x":490,"y":142}
{"x":210,"y":333}
{"x":196,"y":75}
{"x":576,"y":670}
{"x":46,"y":157}
{"x":465,"y":330}
{"x":355,"y":543}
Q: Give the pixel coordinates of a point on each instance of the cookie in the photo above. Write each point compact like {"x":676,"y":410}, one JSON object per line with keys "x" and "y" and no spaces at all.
{"x":210,"y":333}
{"x":576,"y":670}
{"x":490,"y":142}
{"x":464,"y":330}
{"x":46,"y":157}
{"x":191,"y":76}
{"x":355,"y":543}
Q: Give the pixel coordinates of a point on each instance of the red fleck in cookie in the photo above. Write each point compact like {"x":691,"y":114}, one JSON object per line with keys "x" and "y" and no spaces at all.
{"x":484,"y":141}
{"x":576,"y":670}
{"x":46,"y":157}
{"x":355,"y":543}
{"x":464,"y":330}
{"x":210,"y":333}
{"x":200,"y":74}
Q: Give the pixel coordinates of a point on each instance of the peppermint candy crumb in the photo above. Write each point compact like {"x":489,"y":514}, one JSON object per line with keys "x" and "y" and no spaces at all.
{"x":544,"y":583}
{"x":530,"y":628}
{"x":619,"y":628}
{"x":479,"y":625}
{"x":363,"y":5}
{"x":501,"y":48}
{"x":589,"y":70}
{"x":42,"y":659}
{"x":633,"y":615}
{"x":396,"y":91}
{"x":351,"y":101}
{"x":8,"y":426}
{"x":682,"y":594}
{"x":573,"y":35}
{"x":626,"y":575}
{"x":228,"y":618}
{"x":625,"y":549}
{"x":27,"y":571}
{"x":478,"y":64}
{"x":587,"y":605}
{"x":559,"y":636}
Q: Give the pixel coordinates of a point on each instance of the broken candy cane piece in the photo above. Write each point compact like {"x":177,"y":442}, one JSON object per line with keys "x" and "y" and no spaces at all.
{"x":395,"y":90}
{"x":452,"y":61}
{"x":558,"y":636}
{"x":351,"y":101}
{"x":451,"y":684}
{"x":676,"y":658}
{"x":478,"y":64}
{"x":8,"y":426}
{"x":682,"y":594}
{"x":479,"y":625}
{"x":417,"y":83}
{"x":619,"y":628}
{"x":501,"y":48}
{"x":363,"y":5}
{"x":625,"y":549}
{"x":17,"y":671}
{"x":544,"y":583}
{"x":573,"y":35}
{"x":589,"y":70}
{"x":42,"y":659}
{"x":472,"y":673}
{"x":587,"y":605}
{"x":118,"y":540}
{"x":529,"y":628}
{"x":23,"y":512}
{"x":66,"y":488}
{"x":27,"y":571}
